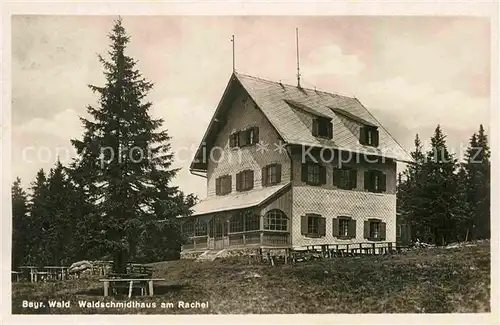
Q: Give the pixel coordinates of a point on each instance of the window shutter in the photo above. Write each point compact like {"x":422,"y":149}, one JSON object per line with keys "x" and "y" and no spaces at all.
{"x":368,"y":180}
{"x":382,"y":231}
{"x":375,"y":138}
{"x":230,"y":184}
{"x":238,"y":182}
{"x":322,"y":174}
{"x":315,"y":127}
{"x":352,"y":228}
{"x":322,"y":227}
{"x":217,"y":186}
{"x":303,"y":173}
{"x":330,"y":130}
{"x":256,"y":134}
{"x":362,"y":135}
{"x":278,"y":173}
{"x":366,"y":230}
{"x":264,"y":175}
{"x":382,"y":182}
{"x":303,"y":225}
{"x":335,"y":227}
{"x":250,"y":175}
{"x":354,"y":178}
{"x":336,"y":177}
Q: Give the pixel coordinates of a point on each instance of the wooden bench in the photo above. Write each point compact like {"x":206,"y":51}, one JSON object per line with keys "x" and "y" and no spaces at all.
{"x":131,"y":283}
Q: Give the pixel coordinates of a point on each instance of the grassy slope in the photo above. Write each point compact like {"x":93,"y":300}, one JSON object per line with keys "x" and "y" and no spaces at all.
{"x":426,"y":281}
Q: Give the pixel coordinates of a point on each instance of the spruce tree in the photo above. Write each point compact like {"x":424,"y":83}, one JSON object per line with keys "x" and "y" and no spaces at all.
{"x":478,"y":190}
{"x":124,"y":158}
{"x":37,"y":222}
{"x":20,"y":231}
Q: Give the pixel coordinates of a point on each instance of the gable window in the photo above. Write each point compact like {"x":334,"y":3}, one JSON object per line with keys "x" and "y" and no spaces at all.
{"x":313,"y":225}
{"x":345,"y":178}
{"x":244,"y":138}
{"x":369,"y":136}
{"x":374,"y":230}
{"x":244,"y":180}
{"x":223,"y":185}
{"x":234,"y":140}
{"x":313,"y":174}
{"x":275,"y":220}
{"x":344,"y":227}
{"x":271,"y":175}
{"x":375,"y":181}
{"x":322,"y":127}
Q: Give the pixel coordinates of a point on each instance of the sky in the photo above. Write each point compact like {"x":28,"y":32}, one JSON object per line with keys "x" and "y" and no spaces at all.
{"x":412,"y":73}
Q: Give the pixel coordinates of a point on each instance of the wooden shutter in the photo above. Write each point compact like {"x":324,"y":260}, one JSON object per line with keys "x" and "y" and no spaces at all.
{"x":354,"y":178}
{"x":217,"y":186}
{"x":315,"y":127}
{"x":366,"y":230}
{"x":303,"y":173}
{"x":250,"y":176}
{"x":362,"y":135}
{"x":335,"y":227}
{"x":322,"y":174}
{"x":382,"y":231}
{"x":229,"y":183}
{"x":278,"y":173}
{"x":330,"y":130}
{"x":375,"y":137}
{"x":368,"y":180}
{"x":322,"y":227}
{"x":264,"y":175}
{"x":303,"y":225}
{"x":238,"y":182}
{"x":336,"y":177}
{"x":232,"y":140}
{"x":382,"y":181}
{"x":255,"y":134}
{"x":352,"y":228}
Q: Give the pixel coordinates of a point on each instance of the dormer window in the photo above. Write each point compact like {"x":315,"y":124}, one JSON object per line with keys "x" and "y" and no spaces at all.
{"x":369,"y":136}
{"x":322,"y":127}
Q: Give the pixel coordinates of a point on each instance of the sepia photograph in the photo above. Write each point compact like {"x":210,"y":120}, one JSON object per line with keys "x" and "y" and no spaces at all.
{"x":250,"y":164}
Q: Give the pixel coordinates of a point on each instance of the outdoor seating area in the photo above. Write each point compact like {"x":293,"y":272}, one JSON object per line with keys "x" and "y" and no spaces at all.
{"x":137,"y":276}
{"x":36,"y":274}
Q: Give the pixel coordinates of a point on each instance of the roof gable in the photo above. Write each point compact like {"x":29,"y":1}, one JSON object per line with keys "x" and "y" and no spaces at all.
{"x":276,"y":101}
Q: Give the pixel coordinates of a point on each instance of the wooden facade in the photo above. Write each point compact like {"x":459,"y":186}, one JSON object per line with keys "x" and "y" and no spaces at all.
{"x":320,"y":211}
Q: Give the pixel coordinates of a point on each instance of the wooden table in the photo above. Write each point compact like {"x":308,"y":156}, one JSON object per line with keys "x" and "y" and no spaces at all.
{"x":17,"y":273}
{"x":131,"y":282}
{"x":59,"y":271}
{"x":32,"y":271}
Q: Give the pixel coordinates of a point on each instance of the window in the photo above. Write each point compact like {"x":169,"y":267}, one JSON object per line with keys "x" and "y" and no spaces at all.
{"x":275,"y":220}
{"x":223,"y":185}
{"x":244,"y":180}
{"x":244,"y":138}
{"x":313,"y":174}
{"x":369,"y":136}
{"x":313,"y":225}
{"x":200,"y":228}
{"x":252,"y":220}
{"x":345,"y":178}
{"x":271,"y":175}
{"x":188,"y":228}
{"x":375,"y":229}
{"x":234,"y":140}
{"x":375,"y":181}
{"x":237,"y":223}
{"x":322,"y":127}
{"x":344,"y":227}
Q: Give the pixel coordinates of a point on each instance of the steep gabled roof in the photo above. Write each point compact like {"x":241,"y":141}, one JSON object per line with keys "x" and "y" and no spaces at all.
{"x":276,"y":101}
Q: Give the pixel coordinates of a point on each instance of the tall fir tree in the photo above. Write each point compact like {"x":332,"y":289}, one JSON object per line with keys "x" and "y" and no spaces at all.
{"x":478,"y":168}
{"x":20,"y":230}
{"x":37,"y":221}
{"x":124,"y":159}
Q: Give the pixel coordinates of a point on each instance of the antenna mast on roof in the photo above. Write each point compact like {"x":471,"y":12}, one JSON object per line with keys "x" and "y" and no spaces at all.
{"x":232,"y":41}
{"x":298,"y":65}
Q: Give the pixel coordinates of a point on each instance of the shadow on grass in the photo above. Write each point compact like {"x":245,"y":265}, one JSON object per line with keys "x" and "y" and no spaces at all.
{"x":159,"y":289}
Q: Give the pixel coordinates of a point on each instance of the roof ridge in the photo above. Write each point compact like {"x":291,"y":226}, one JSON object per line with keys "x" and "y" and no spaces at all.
{"x":290,"y":85}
